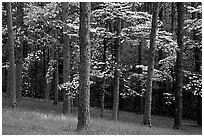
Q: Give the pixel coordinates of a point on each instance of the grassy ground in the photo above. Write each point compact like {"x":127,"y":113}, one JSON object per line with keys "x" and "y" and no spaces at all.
{"x":38,"y":117}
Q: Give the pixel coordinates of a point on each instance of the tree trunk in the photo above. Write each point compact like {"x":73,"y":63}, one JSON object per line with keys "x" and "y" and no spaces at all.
{"x":140,"y":72}
{"x":179,"y":68}
{"x":160,"y":84}
{"x":66,"y":60}
{"x":198,"y":64}
{"x":33,"y":87}
{"x":35,"y":73}
{"x":44,"y":68}
{"x":48,"y":85}
{"x":56,"y":71}
{"x":84,"y":67}
{"x":12,"y":72}
{"x":161,"y":16}
{"x":116,"y":73}
{"x":19,"y":53}
{"x":199,"y":110}
{"x":8,"y":93}
{"x":148,"y":94}
{"x":172,"y":17}
{"x":104,"y":79}
{"x":51,"y":53}
{"x":47,"y":92}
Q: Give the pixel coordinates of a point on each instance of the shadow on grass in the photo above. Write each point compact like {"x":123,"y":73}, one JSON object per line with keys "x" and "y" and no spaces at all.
{"x":47,"y":108}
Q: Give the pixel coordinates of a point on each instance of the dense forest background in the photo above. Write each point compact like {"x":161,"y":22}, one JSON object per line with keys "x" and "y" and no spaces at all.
{"x":45,"y":53}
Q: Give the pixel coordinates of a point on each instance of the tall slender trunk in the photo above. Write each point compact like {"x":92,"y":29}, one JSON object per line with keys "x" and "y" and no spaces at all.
{"x":104,"y":79}
{"x":198,"y":64}
{"x":148,"y":94}
{"x":33,"y":87}
{"x":161,"y":15}
{"x":44,"y":67}
{"x":11,"y":87}
{"x":172,"y":16}
{"x":19,"y":53}
{"x":140,"y":72}
{"x":161,"y":85}
{"x":47,"y":92}
{"x":199,"y":110}
{"x":8,"y":81}
{"x":56,"y":93}
{"x":51,"y":53}
{"x":84,"y":66}
{"x":179,"y":68}
{"x":117,"y":71}
{"x":66,"y":60}
{"x":34,"y":74}
{"x":48,"y":86}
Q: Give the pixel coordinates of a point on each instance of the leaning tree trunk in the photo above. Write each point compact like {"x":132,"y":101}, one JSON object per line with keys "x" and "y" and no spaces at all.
{"x":19,"y":52}
{"x":55,"y":102}
{"x":179,"y":68}
{"x":84,"y":66}
{"x":11,"y":87}
{"x":116,"y":73}
{"x":148,"y":94}
{"x":66,"y":60}
{"x":198,"y":64}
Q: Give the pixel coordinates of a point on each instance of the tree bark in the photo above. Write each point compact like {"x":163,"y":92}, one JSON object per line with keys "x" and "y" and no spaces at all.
{"x":35,"y":73}
{"x":199,"y":110}
{"x":51,"y":53}
{"x":48,"y":86}
{"x":11,"y":87}
{"x":104,"y":79}
{"x":198,"y":64}
{"x":33,"y":87}
{"x":19,"y":53}
{"x":44,"y":68}
{"x":117,"y":71}
{"x":140,"y":72}
{"x":160,"y":84}
{"x":179,"y":68}
{"x":66,"y":60}
{"x":84,"y":67}
{"x":47,"y":92}
{"x":172,"y":17}
{"x":148,"y":94}
{"x":56,"y":92}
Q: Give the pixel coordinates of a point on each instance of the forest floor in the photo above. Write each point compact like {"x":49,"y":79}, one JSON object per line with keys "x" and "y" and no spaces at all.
{"x":43,"y":118}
